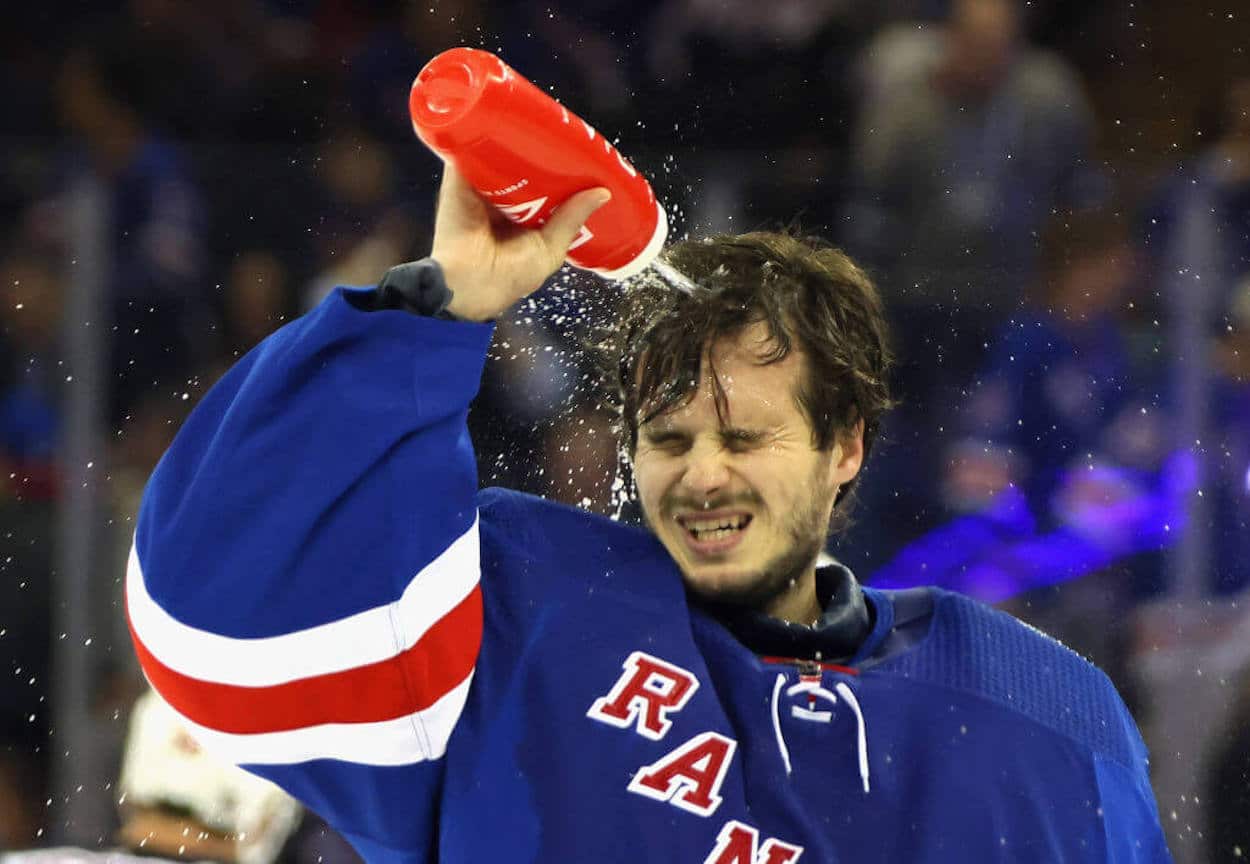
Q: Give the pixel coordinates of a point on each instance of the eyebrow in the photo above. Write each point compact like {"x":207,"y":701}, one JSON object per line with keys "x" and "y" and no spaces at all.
{"x":737,"y":433}
{"x":727,"y":433}
{"x":663,"y":434}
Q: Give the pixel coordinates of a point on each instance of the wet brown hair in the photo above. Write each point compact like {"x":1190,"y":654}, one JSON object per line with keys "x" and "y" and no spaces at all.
{"x":810,"y":297}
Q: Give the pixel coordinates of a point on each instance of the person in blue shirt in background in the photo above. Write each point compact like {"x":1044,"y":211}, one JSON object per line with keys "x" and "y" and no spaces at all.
{"x":1058,"y":435}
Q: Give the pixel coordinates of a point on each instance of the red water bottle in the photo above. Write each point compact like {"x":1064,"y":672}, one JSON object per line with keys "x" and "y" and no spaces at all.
{"x":526,"y":154}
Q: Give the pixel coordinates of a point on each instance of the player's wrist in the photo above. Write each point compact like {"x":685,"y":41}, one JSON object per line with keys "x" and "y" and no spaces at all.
{"x":465,"y":295}
{"x":419,"y":287}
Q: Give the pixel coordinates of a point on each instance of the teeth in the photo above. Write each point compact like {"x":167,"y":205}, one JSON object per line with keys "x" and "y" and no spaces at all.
{"x":713,"y":525}
{"x":718,"y":534}
{"x":715,"y":529}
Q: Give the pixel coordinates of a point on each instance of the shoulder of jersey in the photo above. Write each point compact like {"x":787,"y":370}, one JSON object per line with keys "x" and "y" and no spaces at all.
{"x":978,"y":649}
{"x":543,"y":530}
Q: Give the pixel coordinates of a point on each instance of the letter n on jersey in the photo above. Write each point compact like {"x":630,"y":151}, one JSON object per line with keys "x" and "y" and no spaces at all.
{"x":739,"y":844}
{"x":645,"y":694}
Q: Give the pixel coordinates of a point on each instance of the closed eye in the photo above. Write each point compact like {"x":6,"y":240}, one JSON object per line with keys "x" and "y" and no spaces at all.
{"x":669,"y":442}
{"x":740,"y":440}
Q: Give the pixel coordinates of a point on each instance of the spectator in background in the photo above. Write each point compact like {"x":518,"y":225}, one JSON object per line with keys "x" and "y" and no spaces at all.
{"x":1060,"y":469}
{"x":1058,"y":389}
{"x":157,"y":296}
{"x":967,"y":138}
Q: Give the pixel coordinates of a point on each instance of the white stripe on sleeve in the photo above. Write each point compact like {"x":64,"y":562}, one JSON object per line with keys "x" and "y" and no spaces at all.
{"x":347,"y":643}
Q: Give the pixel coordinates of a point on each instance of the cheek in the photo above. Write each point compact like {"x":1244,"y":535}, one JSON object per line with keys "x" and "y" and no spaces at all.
{"x":777,"y":478}
{"x":649,"y":478}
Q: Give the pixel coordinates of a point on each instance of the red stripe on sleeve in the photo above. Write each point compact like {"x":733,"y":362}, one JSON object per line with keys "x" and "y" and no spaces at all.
{"x":395,"y":687}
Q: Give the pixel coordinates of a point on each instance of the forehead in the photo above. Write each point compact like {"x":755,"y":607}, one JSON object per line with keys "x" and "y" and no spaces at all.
{"x":756,"y":392}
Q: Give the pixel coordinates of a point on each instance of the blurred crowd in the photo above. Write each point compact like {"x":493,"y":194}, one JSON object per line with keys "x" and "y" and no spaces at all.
{"x":1073,"y":342}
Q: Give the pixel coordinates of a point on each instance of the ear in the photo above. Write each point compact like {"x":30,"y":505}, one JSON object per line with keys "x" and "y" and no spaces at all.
{"x":848,"y":454}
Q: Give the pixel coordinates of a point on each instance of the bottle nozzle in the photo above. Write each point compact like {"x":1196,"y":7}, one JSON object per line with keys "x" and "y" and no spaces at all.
{"x":448,"y":86}
{"x":448,"y":91}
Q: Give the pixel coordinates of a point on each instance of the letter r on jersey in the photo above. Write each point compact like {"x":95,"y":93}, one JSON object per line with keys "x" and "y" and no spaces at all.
{"x":645,"y":694}
{"x":739,"y":844}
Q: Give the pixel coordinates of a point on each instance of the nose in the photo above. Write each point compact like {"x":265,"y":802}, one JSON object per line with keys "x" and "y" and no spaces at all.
{"x":706,"y":471}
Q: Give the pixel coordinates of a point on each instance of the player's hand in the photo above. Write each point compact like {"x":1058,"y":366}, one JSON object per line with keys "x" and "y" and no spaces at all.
{"x":489,"y":262}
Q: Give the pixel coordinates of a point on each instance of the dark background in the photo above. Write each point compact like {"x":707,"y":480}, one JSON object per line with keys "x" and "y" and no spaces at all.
{"x":1053,"y":196}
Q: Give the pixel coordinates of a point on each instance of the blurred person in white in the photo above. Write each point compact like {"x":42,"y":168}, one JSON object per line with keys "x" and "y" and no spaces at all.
{"x":177,"y":803}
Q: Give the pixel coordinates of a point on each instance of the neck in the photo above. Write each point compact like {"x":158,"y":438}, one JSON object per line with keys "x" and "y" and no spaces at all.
{"x":845,"y":621}
{"x":799,"y":603}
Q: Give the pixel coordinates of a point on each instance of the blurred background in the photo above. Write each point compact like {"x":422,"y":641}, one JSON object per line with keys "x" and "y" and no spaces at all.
{"x":1054,"y":197}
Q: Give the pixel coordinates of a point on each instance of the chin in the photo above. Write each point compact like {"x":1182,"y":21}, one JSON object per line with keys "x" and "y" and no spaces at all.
{"x":720,"y":582}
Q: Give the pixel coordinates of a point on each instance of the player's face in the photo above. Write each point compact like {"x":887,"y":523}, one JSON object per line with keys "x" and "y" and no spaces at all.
{"x":742,"y":502}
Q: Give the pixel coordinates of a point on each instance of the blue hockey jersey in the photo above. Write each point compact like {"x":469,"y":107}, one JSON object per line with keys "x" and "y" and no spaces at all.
{"x":445,"y":674}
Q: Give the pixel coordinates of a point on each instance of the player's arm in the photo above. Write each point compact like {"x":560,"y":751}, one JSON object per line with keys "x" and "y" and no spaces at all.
{"x":303,"y":588}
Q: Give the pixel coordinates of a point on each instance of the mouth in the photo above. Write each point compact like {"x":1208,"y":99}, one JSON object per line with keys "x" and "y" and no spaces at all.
{"x":713,"y":533}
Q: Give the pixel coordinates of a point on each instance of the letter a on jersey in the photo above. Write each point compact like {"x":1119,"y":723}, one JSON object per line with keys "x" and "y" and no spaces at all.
{"x":691,"y":776}
{"x":647,"y":692}
{"x":739,"y":844}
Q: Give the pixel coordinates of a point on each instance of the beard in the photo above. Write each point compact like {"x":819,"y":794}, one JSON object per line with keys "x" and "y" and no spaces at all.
{"x":806,"y":528}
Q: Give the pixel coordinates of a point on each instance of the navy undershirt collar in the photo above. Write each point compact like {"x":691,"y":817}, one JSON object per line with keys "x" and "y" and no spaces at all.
{"x":840,"y":635}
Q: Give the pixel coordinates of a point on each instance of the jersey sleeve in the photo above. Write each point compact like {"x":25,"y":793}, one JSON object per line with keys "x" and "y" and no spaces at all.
{"x":1133,"y":830}
{"x":303,"y":585}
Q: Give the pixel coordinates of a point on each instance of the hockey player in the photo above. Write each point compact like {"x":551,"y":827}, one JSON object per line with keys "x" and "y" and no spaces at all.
{"x":320,"y":589}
